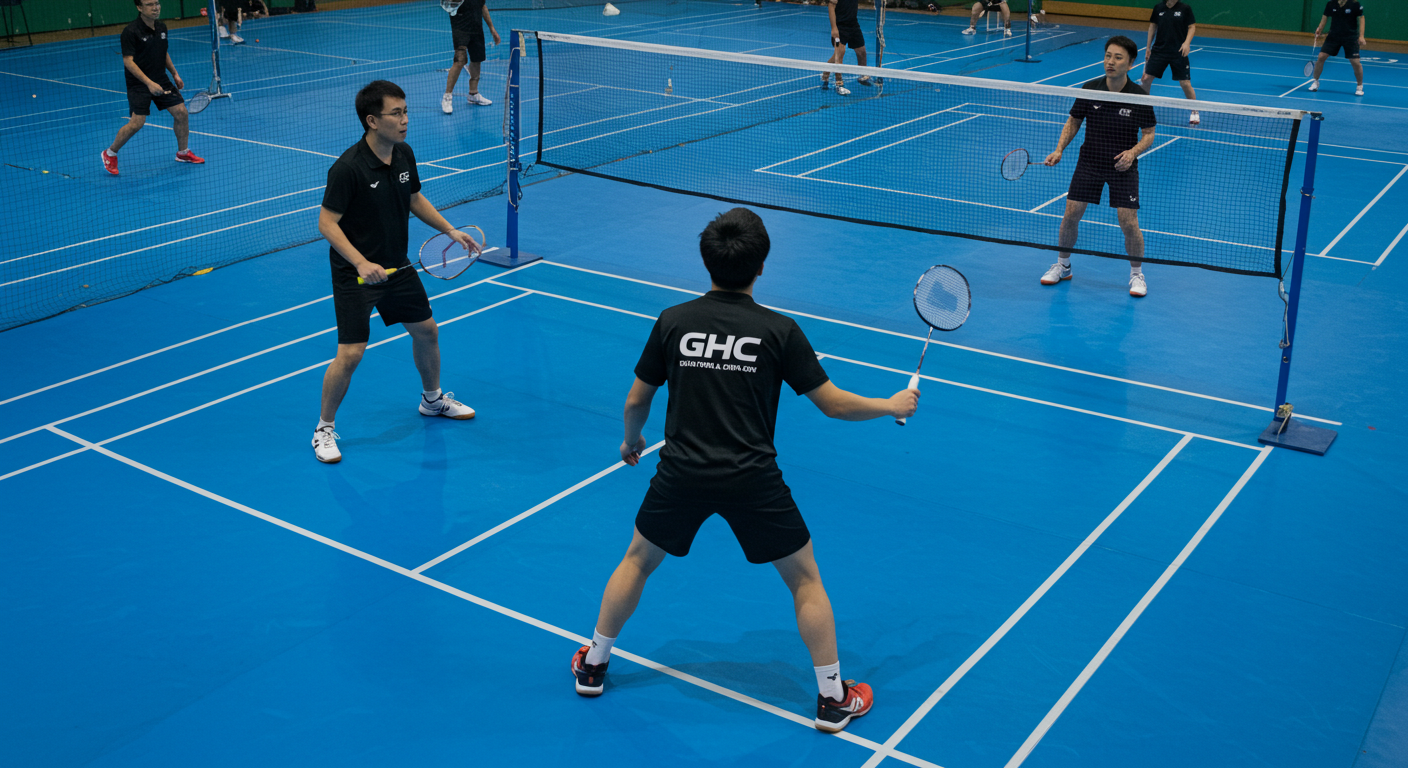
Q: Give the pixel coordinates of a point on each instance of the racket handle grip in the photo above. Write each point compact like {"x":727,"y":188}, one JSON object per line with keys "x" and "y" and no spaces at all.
{"x":914,"y":385}
{"x":389,"y":272}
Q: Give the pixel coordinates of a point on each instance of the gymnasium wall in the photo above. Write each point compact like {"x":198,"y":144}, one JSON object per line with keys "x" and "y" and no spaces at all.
{"x":1385,"y":19}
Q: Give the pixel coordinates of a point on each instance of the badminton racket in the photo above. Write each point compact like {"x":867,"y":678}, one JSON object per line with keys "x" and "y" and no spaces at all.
{"x":942,"y":299}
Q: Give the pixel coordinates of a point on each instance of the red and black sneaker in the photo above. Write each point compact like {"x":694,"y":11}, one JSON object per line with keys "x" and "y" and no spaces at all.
{"x":833,"y":716}
{"x":591,"y":678}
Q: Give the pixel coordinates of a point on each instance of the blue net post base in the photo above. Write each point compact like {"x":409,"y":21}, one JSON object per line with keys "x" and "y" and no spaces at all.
{"x":1298,"y":436}
{"x":504,"y":257}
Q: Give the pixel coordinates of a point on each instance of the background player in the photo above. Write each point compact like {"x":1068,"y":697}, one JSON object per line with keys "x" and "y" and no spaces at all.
{"x":983,"y":8}
{"x":725,"y":359}
{"x":467,"y":32}
{"x":372,"y":189}
{"x":1108,"y":156}
{"x":145,"y":63}
{"x":845,"y":31}
{"x":1171,"y":30}
{"x":235,"y":12}
{"x":1347,"y":32}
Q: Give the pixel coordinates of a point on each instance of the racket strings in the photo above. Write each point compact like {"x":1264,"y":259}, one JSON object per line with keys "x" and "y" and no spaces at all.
{"x":1015,"y":164}
{"x":942,"y":298}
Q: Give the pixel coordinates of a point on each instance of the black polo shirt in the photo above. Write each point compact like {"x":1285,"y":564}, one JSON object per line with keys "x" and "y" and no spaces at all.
{"x":1171,"y":28}
{"x":1110,"y":127}
{"x":846,"y":13}
{"x":147,"y":47}
{"x":725,"y":359}
{"x":469,"y":17}
{"x":375,"y":202}
{"x":1344,"y":19}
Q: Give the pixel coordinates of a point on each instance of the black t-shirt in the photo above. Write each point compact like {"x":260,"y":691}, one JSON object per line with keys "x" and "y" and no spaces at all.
{"x":1171,"y":28}
{"x":469,"y":17}
{"x":1110,"y":127}
{"x":147,"y":47}
{"x":375,"y":202}
{"x":846,"y":11}
{"x":725,"y":358}
{"x":1344,"y":19}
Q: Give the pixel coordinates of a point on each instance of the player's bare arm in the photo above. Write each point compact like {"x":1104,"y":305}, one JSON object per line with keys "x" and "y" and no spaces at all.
{"x":1068,"y":134}
{"x":837,"y":403}
{"x":329,"y":228}
{"x":637,"y":411}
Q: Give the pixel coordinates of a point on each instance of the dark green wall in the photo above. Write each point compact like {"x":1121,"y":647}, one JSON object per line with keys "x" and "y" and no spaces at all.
{"x":1384,"y":19}
{"x":53,"y":15}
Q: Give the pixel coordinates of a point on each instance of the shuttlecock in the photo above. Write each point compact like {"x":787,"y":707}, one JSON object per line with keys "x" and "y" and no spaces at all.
{"x":610,"y":10}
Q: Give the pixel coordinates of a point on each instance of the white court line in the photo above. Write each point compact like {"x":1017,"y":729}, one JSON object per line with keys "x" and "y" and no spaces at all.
{"x":1048,"y":202}
{"x":857,"y":138}
{"x":880,"y":749}
{"x":247,"y":141}
{"x":1356,"y":219}
{"x":525,"y":515}
{"x":995,"y":637}
{"x":1114,"y":640}
{"x":60,"y":82}
{"x":1391,"y":246}
{"x":891,"y":144}
{"x":1297,"y":88}
{"x":575,"y":301}
{"x":951,"y":345}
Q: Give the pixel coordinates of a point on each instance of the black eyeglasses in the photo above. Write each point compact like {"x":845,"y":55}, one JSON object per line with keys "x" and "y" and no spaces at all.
{"x":396,"y":113}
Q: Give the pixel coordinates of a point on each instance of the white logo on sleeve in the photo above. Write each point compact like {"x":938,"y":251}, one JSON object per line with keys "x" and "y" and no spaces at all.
{"x":374,"y":183}
{"x":405,"y":176}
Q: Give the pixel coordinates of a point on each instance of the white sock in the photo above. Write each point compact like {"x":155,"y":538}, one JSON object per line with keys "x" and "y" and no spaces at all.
{"x":828,"y":681}
{"x":322,"y":424}
{"x":601,"y":648}
{"x":431,"y":395}
{"x":109,"y":153}
{"x":1136,"y":271}
{"x":1064,"y":261}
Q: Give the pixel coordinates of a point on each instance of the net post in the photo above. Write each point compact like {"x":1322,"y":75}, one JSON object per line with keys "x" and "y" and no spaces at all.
{"x":510,"y":255}
{"x":1285,"y":432}
{"x":213,"y":12}
{"x":1027,"y":56}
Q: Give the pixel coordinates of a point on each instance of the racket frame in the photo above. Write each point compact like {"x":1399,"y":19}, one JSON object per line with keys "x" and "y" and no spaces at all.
{"x":914,"y":380}
{"x":421,"y":255}
{"x":1003,"y":167}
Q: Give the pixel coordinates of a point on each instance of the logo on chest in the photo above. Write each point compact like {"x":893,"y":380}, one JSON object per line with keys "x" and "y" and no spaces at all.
{"x":702,"y":345}
{"x":405,"y":176}
{"x":1126,"y":112}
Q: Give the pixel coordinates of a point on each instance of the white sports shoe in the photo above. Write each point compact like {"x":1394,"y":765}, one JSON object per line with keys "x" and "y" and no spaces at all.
{"x":970,"y":31}
{"x":446,"y":406}
{"x":325,"y":446}
{"x":1056,"y":274}
{"x":842,"y":90}
{"x":236,"y":39}
{"x":1359,"y":91}
{"x":1006,"y":31}
{"x":1137,"y":286}
{"x":1314,"y":85}
{"x":1193,"y":118}
{"x":224,"y":33}
{"x":478,"y":98}
{"x":447,"y":103}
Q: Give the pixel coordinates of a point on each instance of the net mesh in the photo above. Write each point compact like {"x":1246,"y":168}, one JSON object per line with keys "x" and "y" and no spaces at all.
{"x":942,"y":297}
{"x":922,"y":151}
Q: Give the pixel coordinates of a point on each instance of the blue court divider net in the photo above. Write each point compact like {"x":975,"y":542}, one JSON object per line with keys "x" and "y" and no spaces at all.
{"x":920,"y":151}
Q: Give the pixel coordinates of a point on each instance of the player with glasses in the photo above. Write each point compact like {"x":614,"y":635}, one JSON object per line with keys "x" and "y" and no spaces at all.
{"x":145,"y":63}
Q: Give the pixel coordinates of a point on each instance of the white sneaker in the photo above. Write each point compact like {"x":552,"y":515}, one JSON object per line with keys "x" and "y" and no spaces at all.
{"x":325,"y":446}
{"x":842,"y":90}
{"x":1006,"y":31}
{"x":236,"y":39}
{"x":447,"y":103}
{"x":1314,"y":85}
{"x":1137,"y":286}
{"x":970,"y":31}
{"x":224,"y":33}
{"x":1056,"y":274}
{"x":1193,"y":118}
{"x":478,"y":98}
{"x":446,"y":406}
{"x":1359,"y":91}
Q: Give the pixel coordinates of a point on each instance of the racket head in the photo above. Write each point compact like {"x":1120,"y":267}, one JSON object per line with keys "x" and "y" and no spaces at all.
{"x":942,"y":298}
{"x":442,"y":257}
{"x":1309,"y":68}
{"x":451,"y":6}
{"x":1015,"y":163}
{"x":198,"y":102}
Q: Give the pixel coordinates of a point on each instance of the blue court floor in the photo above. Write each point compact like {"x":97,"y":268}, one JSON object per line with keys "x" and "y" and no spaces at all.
{"x":1075,"y":554}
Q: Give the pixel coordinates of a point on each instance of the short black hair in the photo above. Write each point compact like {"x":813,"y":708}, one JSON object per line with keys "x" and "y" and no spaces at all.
{"x":371,"y":98}
{"x":734,"y":247}
{"x":1125,"y":43}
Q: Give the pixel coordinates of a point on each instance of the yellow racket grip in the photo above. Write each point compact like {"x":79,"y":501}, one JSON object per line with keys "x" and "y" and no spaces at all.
{"x":389,"y":272}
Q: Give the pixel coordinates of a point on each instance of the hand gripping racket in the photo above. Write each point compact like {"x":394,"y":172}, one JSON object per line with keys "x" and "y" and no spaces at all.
{"x":942,"y":299}
{"x":1014,"y":164}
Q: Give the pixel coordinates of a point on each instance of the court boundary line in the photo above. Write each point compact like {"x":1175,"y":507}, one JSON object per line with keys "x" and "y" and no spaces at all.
{"x":875,"y":747}
{"x":1075,"y":688}
{"x":1365,"y":210}
{"x":1391,"y":246}
{"x":976,"y":656}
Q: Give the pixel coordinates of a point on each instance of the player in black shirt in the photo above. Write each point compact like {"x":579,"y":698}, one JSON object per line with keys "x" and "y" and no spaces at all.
{"x":845,"y":31}
{"x":1171,"y":30}
{"x":983,"y":8}
{"x":725,"y":359}
{"x":1115,"y":137}
{"x":1347,"y":32}
{"x":372,"y":190}
{"x":234,"y":12}
{"x":467,"y":36}
{"x":145,"y":62}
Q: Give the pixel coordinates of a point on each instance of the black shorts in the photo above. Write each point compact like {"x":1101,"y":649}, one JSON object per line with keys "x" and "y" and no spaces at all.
{"x":1154,"y":67}
{"x":401,"y":299}
{"x":471,"y":39}
{"x":851,"y":37}
{"x":992,"y":6}
{"x":139,"y":99}
{"x":1333,"y":45}
{"x":1088,"y":183}
{"x":767,"y":531}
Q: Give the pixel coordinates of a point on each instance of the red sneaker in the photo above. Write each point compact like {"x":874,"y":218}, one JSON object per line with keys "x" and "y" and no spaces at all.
{"x":833,"y":716}
{"x":110,"y":163}
{"x":188,"y":156}
{"x":591,"y":678}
